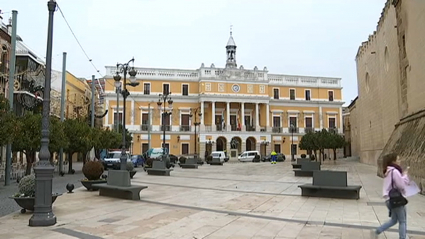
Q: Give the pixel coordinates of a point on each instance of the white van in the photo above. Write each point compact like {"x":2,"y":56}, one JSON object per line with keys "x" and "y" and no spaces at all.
{"x":219,"y":154}
{"x":248,"y":156}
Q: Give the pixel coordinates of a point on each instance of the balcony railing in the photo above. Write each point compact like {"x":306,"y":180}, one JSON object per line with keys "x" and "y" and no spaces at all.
{"x":220,"y":127}
{"x":276,"y":129}
{"x":185,"y":128}
{"x":250,"y":128}
{"x":293,"y":130}
{"x":308,"y":130}
{"x":234,"y":127}
{"x":145,"y":127}
{"x":166,"y":127}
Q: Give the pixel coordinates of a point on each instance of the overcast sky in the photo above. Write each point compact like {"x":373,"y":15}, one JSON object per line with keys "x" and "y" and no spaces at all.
{"x":301,"y":37}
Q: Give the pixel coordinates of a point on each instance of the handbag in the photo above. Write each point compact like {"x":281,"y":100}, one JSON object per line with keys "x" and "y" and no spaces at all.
{"x":396,"y":198}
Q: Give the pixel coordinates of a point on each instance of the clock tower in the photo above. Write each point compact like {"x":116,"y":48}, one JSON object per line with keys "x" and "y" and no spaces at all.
{"x":231,"y":52}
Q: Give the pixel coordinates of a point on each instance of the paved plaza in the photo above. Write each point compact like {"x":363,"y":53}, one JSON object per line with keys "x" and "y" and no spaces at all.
{"x":237,"y":200}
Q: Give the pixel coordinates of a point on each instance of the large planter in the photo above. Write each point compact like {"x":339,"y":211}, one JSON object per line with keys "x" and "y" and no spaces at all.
{"x":27,"y":203}
{"x":132,"y":173}
{"x":91,"y":184}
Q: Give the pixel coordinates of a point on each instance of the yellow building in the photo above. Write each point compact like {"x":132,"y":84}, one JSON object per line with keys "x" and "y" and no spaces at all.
{"x":250,"y":107}
{"x":77,"y":96}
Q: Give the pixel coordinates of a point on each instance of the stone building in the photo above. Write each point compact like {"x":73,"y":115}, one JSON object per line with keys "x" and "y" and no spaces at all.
{"x":390,"y":105}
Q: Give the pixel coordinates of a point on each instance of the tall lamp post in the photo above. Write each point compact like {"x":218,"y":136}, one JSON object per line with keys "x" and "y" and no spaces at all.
{"x":43,"y":214}
{"x":163,"y":99}
{"x":292,"y":144}
{"x":117,"y":117}
{"x":194,"y":113}
{"x":124,"y":69}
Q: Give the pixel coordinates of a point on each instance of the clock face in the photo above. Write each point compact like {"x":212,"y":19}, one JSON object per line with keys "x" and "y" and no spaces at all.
{"x":236,"y":88}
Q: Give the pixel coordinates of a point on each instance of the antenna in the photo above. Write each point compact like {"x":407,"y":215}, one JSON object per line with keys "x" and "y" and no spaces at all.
{"x":231,"y":27}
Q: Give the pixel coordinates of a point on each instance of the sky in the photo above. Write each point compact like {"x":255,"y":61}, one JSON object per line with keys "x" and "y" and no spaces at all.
{"x":294,"y":37}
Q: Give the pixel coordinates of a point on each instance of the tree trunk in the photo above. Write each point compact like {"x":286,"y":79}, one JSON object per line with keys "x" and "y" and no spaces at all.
{"x":334,"y":153}
{"x":30,"y":160}
{"x":70,"y":163}
{"x":315,"y":155}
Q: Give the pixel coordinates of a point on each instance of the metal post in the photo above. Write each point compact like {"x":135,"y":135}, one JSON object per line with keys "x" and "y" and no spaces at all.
{"x":124,"y":95}
{"x":12,"y":65}
{"x":196,"y":156}
{"x":62,"y":107}
{"x":118,"y":108}
{"x":43,"y":214}
{"x":149,"y":125}
{"x":163,"y":128}
{"x":92,"y":101}
{"x":292,"y":144}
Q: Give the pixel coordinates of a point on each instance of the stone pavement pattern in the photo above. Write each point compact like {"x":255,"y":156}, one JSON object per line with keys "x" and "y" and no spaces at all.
{"x":241,"y":200}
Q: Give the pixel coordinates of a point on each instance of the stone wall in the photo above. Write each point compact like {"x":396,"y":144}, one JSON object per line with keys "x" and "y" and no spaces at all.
{"x":408,"y":141}
{"x":377,"y":107}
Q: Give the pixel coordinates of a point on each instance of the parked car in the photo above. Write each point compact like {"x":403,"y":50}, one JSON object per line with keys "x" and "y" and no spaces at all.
{"x":269,"y":157}
{"x":137,"y":160}
{"x":220,"y":155}
{"x":248,"y":156}
{"x":113,"y":160}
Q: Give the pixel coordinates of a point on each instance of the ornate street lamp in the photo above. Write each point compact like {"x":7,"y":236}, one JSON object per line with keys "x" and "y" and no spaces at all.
{"x":124,"y":69}
{"x":194,"y":113}
{"x":292,"y":144}
{"x":43,"y":214}
{"x":163,"y":99}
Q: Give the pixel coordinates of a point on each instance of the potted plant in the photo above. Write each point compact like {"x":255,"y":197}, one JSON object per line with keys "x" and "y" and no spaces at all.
{"x":182,"y":160}
{"x":209,"y":159}
{"x":130,"y":169}
{"x":25,"y":198}
{"x":92,"y":170}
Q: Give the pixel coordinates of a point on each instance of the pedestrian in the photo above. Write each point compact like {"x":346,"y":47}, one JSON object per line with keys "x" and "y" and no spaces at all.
{"x":394,"y":189}
{"x":273,"y":157}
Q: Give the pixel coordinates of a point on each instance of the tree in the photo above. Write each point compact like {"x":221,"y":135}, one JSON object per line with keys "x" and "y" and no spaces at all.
{"x":128,"y":137}
{"x":308,"y":143}
{"x":57,"y":136}
{"x":336,"y":141}
{"x":28,"y":138}
{"x":8,"y":124}
{"x":79,"y":137}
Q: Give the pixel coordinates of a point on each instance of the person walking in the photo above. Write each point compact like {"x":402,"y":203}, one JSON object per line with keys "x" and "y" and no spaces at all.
{"x":395,"y":181}
{"x":273,"y":157}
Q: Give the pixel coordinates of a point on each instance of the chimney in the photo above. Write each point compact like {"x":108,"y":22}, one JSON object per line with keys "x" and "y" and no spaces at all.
{"x":9,"y":27}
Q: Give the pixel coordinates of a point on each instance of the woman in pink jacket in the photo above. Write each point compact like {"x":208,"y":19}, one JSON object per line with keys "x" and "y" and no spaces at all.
{"x":394,"y":176}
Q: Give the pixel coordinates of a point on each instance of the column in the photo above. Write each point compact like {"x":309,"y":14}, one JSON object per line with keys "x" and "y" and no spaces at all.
{"x":340,"y":121}
{"x":242,"y":116}
{"x":228,"y":117}
{"x":132,"y":113}
{"x":213,"y":128}
{"x":267,"y":117}
{"x":257,"y":116}
{"x":320,"y":118}
{"x":202,"y":113}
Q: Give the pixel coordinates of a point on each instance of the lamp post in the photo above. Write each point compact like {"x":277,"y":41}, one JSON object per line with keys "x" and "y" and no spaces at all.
{"x":117,"y":117}
{"x":163,"y":99}
{"x":43,"y":214}
{"x":194,"y":113}
{"x":124,"y":69}
{"x":292,"y":144}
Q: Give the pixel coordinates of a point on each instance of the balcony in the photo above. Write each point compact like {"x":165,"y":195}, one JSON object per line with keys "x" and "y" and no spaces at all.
{"x":185,"y":128}
{"x":166,"y":127}
{"x":277,"y":129}
{"x":234,"y":127}
{"x":250,"y":128}
{"x":145,"y":127}
{"x":308,"y":130}
{"x":220,"y":127}
{"x":293,"y":130}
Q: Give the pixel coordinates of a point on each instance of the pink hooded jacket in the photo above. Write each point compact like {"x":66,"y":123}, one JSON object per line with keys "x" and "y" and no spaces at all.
{"x":399,"y":181}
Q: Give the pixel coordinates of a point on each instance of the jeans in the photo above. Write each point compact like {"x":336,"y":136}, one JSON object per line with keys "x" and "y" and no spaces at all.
{"x":274,"y":157}
{"x":397,"y":215}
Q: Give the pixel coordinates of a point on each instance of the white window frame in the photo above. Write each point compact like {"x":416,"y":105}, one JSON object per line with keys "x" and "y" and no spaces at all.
{"x":295,"y":93}
{"x":278,"y":93}
{"x":336,"y":121}
{"x":333,"y":95}
{"x":169,"y":87}
{"x":312,"y":120}
{"x":150,"y":88}
{"x":305,"y":94}
{"x":181,"y":147}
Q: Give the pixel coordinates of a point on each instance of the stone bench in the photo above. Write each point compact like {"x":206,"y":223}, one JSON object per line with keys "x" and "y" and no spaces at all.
{"x":130,"y":192}
{"x":216,"y":161}
{"x":330,"y":184}
{"x":299,"y":161}
{"x":159,"y":169}
{"x":190,"y":163}
{"x":307,"y":169}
